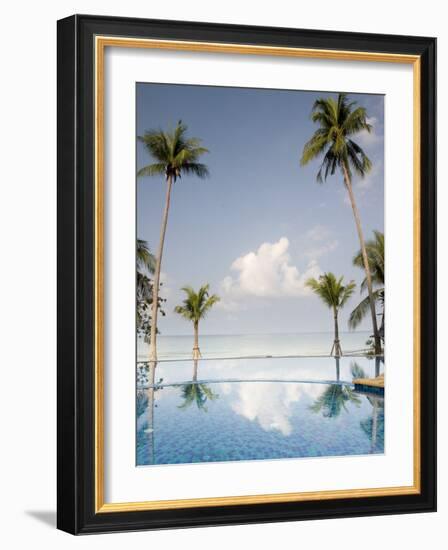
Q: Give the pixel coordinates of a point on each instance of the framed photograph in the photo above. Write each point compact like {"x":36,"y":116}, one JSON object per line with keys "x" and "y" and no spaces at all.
{"x":246,"y":274}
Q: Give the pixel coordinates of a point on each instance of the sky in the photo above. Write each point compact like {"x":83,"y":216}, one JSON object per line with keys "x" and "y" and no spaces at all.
{"x":260,"y":224}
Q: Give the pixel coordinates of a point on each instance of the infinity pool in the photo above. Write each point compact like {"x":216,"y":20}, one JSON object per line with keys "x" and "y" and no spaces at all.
{"x":229,"y":410}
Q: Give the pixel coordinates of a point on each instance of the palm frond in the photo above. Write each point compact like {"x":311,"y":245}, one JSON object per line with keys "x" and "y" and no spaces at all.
{"x":157,"y":144}
{"x":195,"y":169}
{"x":154,"y":169}
{"x":358,"y":314}
{"x":336,"y":120}
{"x":358,"y":159}
{"x":356,"y":121}
{"x":145,"y":259}
{"x":363,"y":309}
{"x":174,"y":153}
{"x":196,"y":304}
{"x":357,"y":371}
{"x":346,"y":292}
{"x":331,"y":290}
{"x":314,"y":148}
{"x":375,"y":258}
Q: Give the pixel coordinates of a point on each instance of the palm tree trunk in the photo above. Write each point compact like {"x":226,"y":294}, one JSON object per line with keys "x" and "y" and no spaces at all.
{"x":150,"y":427}
{"x":338,"y":369}
{"x":195,"y":370}
{"x":155,"y":289}
{"x":377,"y":366}
{"x":348,"y":185}
{"x":374,"y":424}
{"x":196,"y":350}
{"x":336,"y":345}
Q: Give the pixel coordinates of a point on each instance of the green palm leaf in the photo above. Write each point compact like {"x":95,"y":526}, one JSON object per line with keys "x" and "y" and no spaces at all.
{"x":174,"y":153}
{"x":337,"y":119}
{"x":375,"y":258}
{"x":331,"y":290}
{"x":196,"y":304}
{"x":145,"y":259}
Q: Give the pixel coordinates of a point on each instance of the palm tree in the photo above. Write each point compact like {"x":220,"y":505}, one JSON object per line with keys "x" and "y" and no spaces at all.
{"x":357,"y":371}
{"x":375,"y":256}
{"x":145,"y":263}
{"x":195,"y":307}
{"x":145,"y":426}
{"x":334,"y":398}
{"x":197,"y":393}
{"x":175,"y":155}
{"x":335,"y":295}
{"x":145,"y":259}
{"x":339,"y":120}
{"x":373,"y":426}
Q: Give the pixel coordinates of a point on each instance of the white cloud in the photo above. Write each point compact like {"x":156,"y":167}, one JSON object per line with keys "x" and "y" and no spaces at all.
{"x":317,"y":242}
{"x":267,"y":272}
{"x":271,"y":405}
{"x":268,"y":404}
{"x":317,"y":233}
{"x":318,"y":251}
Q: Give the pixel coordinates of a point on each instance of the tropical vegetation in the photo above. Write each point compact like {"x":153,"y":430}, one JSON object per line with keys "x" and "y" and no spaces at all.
{"x":194,"y":308}
{"x":196,"y":393}
{"x":145,"y":269}
{"x":375,"y":256}
{"x":174,"y":154}
{"x":373,"y":426}
{"x":333,"y":400}
{"x":340,"y":120}
{"x":334,"y":294}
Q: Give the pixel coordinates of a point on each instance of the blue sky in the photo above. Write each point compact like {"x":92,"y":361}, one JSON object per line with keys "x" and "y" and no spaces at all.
{"x":260,"y":224}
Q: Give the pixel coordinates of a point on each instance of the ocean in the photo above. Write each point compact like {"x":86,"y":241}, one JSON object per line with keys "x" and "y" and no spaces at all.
{"x":254,"y":345}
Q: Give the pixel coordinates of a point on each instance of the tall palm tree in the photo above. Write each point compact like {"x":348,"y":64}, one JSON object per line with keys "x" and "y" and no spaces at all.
{"x":339,"y":120}
{"x":334,"y":294}
{"x":375,"y":256}
{"x":175,"y":155}
{"x":195,"y":307}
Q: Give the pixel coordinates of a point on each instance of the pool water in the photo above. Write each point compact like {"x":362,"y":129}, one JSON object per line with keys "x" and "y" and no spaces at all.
{"x":215,"y":411}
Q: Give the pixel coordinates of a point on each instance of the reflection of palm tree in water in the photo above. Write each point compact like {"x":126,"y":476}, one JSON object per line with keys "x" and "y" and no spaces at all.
{"x":195,"y":370}
{"x":196,"y":393}
{"x":359,"y":372}
{"x":145,"y":410}
{"x":378,"y":361}
{"x":331,"y":402}
{"x":374,"y":425}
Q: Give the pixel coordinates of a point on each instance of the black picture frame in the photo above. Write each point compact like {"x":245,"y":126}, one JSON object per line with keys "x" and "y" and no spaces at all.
{"x":76,"y":226}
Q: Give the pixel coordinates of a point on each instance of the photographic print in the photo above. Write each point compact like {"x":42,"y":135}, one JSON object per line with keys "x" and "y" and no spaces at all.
{"x":222,"y":320}
{"x":259,"y":274}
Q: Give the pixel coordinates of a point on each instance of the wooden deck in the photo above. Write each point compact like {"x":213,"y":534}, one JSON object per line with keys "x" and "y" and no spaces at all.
{"x":373,"y":385}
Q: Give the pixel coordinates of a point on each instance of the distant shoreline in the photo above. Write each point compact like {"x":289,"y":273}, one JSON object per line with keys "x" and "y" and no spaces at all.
{"x":188,"y":335}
